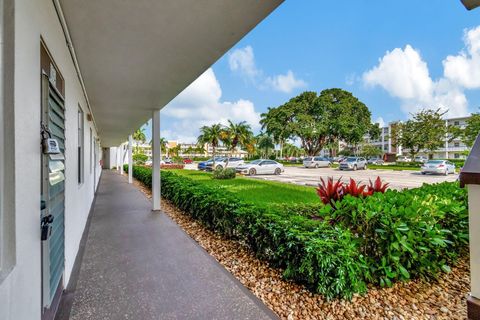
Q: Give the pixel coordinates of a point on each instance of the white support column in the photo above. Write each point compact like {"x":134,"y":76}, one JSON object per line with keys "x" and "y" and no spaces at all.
{"x":130,"y":158}
{"x":156,"y":157}
{"x":122,"y":157}
{"x":474,"y":233}
{"x":117,"y":158}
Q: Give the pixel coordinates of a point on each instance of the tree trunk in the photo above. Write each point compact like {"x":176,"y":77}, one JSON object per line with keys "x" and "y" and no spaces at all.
{"x":213,"y":153}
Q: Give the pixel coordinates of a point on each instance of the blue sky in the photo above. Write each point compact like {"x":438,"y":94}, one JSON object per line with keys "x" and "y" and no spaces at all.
{"x":395,"y":56}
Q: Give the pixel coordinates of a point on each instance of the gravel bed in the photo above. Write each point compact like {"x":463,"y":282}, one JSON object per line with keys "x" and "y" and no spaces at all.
{"x":442,"y":299}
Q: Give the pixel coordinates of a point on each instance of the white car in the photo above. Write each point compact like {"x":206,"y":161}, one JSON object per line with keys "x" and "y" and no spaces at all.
{"x":222,"y":163}
{"x":404,"y":159}
{"x":438,"y":167}
{"x":261,"y":166}
{"x":316,"y":162}
{"x":421,"y":159}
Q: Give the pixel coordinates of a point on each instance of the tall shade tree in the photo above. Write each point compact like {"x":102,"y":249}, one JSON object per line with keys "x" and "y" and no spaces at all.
{"x":347,"y":118}
{"x":472,"y":130}
{"x":426,"y":130}
{"x":235,"y":135}
{"x":139,"y":137}
{"x":320,"y":121}
{"x":211,"y":135}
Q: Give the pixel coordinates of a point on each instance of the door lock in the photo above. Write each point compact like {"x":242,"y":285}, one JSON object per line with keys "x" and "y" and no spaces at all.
{"x":46,"y":225}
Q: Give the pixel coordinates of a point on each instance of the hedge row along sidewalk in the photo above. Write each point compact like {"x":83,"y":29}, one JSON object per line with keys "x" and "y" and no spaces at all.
{"x":330,"y":258}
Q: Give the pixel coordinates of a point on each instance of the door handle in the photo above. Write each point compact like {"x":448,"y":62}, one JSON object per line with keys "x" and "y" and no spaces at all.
{"x":46,"y":226}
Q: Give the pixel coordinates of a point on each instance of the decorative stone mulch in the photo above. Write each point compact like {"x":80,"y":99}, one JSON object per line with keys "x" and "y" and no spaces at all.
{"x":444,"y":299}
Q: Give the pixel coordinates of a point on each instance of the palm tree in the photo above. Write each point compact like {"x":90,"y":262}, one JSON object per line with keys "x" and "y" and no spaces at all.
{"x":139,"y":136}
{"x":265,"y":142}
{"x":212,"y":136}
{"x":163,"y":145}
{"x":237,"y":134}
{"x":176,"y":150}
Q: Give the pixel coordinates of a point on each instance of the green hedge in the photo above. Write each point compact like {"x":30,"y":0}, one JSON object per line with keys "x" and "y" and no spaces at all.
{"x":379,"y":239}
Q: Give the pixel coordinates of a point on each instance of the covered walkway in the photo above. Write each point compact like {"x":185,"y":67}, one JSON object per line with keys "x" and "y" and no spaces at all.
{"x":138,"y":264}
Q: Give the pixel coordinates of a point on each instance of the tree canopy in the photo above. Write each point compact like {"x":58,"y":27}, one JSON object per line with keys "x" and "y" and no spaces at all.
{"x":425,"y":131}
{"x":319,"y":120}
{"x":472,"y":130}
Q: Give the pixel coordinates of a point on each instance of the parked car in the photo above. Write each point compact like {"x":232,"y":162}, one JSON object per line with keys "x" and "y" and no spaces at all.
{"x":316,"y":162}
{"x":187,"y":161}
{"x":421,"y":159}
{"x":438,"y":167}
{"x":260,"y":166}
{"x":376,"y":160}
{"x":222,"y":163}
{"x":353,"y":163}
{"x":203,"y":165}
{"x":404,"y":159}
{"x":167,"y":161}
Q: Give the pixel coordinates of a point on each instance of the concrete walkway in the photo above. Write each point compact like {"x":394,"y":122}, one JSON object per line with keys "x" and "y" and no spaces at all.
{"x":139,"y":264}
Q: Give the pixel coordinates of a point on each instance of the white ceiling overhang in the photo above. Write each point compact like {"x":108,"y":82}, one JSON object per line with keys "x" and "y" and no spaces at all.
{"x":137,"y":55}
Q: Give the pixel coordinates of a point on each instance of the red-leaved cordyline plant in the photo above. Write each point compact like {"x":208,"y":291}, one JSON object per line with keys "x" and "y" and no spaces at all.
{"x":377,"y":186}
{"x":354,"y":189}
{"x":330,"y":191}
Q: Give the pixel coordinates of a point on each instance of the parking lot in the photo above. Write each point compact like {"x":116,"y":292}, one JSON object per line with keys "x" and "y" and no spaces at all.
{"x":397,"y":179}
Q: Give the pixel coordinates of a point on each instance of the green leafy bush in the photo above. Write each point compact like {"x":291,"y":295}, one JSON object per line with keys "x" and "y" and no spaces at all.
{"x":227,"y":173}
{"x":139,"y":158}
{"x":405,"y":234}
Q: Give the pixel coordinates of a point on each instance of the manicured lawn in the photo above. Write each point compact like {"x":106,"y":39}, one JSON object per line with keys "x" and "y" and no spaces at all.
{"x":258,"y":191}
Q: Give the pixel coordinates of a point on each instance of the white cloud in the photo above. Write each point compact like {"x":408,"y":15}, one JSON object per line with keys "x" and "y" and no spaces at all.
{"x":464,"y":68}
{"x":404,"y":75}
{"x":285,"y":82}
{"x":242,"y":61}
{"x":200,"y":104}
{"x":380,"y":122}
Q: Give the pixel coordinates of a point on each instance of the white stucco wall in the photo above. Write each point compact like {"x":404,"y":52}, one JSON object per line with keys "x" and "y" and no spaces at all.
{"x":20,"y":291}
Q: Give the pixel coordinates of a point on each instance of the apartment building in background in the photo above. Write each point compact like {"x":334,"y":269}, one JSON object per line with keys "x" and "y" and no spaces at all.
{"x":454,"y":149}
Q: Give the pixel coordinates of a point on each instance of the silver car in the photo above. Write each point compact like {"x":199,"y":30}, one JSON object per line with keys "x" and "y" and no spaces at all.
{"x":438,"y":167}
{"x":353,"y":163}
{"x":376,"y":160}
{"x":421,"y":159}
{"x":260,"y":166}
{"x":316,"y":162}
{"x":222,"y":163}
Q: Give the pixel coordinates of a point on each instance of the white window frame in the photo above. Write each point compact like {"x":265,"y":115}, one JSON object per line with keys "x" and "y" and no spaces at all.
{"x":81,"y":145}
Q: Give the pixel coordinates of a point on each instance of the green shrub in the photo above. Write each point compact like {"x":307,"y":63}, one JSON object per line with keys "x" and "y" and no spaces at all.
{"x":139,"y":158}
{"x":405,"y":234}
{"x":227,"y":173}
